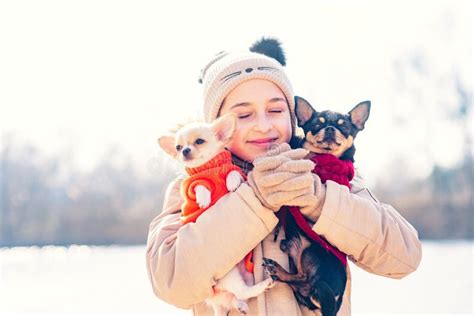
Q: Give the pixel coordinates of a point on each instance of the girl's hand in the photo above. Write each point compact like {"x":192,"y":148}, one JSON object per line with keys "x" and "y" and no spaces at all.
{"x":311,"y":204}
{"x":283,"y":177}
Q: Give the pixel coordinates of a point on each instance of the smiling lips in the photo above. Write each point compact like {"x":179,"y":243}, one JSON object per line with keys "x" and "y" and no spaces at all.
{"x":263,"y":142}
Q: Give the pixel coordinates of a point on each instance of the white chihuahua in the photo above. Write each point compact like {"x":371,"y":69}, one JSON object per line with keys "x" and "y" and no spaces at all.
{"x":195,"y":144}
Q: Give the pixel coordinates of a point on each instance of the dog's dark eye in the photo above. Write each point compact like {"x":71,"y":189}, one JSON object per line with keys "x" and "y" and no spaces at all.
{"x":179,"y":147}
{"x":200,"y":141}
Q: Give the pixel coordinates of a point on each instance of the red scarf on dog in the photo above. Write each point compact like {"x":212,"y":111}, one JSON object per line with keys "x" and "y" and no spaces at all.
{"x":328,"y":167}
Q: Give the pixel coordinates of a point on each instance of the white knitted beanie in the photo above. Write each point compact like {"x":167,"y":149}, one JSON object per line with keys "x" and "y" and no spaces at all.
{"x":228,"y":69}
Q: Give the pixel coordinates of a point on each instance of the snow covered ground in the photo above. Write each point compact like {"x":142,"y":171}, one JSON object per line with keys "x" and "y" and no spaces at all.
{"x":113,"y":280}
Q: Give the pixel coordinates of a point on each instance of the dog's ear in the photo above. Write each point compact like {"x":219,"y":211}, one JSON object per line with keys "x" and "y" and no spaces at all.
{"x":166,"y":143}
{"x":303,"y":110}
{"x":224,"y":127}
{"x":359,"y":114}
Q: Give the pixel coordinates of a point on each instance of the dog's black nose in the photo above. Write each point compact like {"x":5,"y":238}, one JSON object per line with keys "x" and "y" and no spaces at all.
{"x":330,"y":129}
{"x":186,"y":151}
{"x":329,"y":134}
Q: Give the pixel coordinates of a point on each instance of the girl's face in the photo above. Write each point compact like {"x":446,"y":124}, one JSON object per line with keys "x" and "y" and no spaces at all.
{"x":263,"y":118}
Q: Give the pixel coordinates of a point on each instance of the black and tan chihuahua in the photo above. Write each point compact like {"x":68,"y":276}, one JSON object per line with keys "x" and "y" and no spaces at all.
{"x":318,"y":278}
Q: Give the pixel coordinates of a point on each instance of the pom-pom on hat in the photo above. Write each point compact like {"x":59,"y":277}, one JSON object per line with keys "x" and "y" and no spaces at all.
{"x":264,"y":60}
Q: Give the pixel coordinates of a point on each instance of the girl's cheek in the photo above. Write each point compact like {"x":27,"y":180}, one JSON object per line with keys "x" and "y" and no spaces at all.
{"x":237,"y":139}
{"x":284,"y":128}
{"x":238,"y":146}
{"x":242,"y":132}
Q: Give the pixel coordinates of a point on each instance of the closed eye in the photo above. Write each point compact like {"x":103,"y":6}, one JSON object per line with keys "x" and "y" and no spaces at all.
{"x":276,"y":109}
{"x":243,"y":116}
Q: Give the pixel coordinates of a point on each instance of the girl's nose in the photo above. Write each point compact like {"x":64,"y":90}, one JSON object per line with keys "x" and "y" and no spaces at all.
{"x":263,"y":123}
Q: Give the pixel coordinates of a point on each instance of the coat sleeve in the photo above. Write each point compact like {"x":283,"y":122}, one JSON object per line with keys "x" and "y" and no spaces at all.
{"x":373,"y":235}
{"x":184,"y":261}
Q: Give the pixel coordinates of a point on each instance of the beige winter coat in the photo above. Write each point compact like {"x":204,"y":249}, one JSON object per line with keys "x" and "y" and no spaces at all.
{"x":184,"y":262}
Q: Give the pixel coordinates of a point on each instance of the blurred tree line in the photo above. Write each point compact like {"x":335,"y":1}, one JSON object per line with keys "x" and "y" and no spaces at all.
{"x":439,"y":206}
{"x":41,"y":205}
{"x":113,"y":205}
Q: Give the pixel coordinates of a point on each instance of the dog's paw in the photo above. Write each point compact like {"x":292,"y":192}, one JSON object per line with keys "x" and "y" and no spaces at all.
{"x":268,"y":262}
{"x":203,"y":196}
{"x":269,"y":283}
{"x":233,"y":181}
{"x":242,"y":307}
{"x":271,"y":267}
{"x":204,"y":201}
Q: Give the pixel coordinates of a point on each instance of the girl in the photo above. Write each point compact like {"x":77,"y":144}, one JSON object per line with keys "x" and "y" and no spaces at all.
{"x":184,"y":262}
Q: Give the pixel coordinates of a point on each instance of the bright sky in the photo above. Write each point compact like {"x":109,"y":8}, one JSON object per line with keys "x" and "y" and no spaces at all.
{"x":78,"y":76}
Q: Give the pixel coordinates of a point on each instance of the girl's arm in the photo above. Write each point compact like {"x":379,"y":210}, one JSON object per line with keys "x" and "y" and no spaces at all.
{"x":373,"y":235}
{"x":184,"y":262}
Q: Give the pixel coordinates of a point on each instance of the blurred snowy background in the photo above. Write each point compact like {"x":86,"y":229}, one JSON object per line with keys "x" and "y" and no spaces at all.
{"x":86,"y":87}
